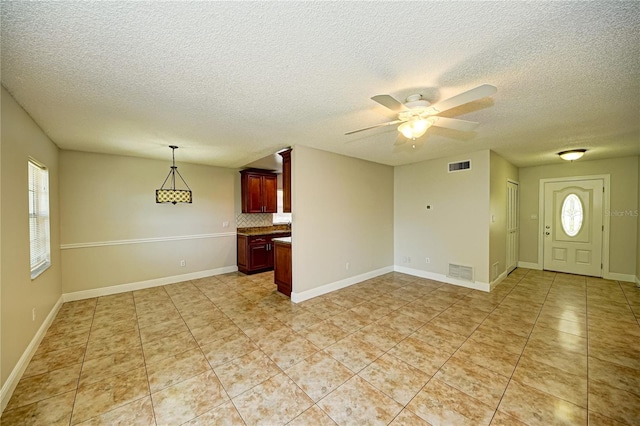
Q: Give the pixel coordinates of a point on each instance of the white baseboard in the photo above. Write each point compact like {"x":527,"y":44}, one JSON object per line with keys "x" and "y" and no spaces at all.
{"x":337,"y":285}
{"x":476,"y":285}
{"x":529,"y":265}
{"x":630,"y":278}
{"x":638,"y":281}
{"x":17,"y":372}
{"x":121,"y":288}
{"x":498,"y":280}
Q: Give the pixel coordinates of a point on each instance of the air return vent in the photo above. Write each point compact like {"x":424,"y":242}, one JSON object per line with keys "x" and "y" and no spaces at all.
{"x":459,"y":166}
{"x":460,"y":272}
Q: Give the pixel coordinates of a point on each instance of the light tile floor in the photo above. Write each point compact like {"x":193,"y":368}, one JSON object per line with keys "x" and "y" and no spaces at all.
{"x":541,"y":349}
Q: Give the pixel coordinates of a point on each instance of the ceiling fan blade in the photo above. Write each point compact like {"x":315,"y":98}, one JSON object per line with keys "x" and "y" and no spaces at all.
{"x":464,"y":98}
{"x":390,"y":102}
{"x":400,"y":140}
{"x":388,"y":123}
{"x":455,"y":124}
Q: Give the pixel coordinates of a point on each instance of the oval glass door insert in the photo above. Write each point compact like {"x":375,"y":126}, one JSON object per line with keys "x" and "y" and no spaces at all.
{"x":571,"y":215}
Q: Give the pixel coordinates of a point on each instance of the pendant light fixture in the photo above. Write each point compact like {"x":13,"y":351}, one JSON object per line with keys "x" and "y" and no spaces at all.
{"x":573,"y":154}
{"x":171,"y":194}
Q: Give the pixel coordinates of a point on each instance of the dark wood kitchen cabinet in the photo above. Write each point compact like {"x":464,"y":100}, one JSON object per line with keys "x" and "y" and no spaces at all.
{"x":255,"y":252}
{"x":259,"y":191}
{"x":282,"y":267}
{"x":286,"y":181}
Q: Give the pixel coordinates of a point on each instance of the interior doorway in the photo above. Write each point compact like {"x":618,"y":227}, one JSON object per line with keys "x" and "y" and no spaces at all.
{"x":513,"y":228}
{"x":573,"y":225}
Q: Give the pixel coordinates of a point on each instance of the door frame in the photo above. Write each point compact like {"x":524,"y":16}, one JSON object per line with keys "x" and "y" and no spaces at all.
{"x":515,"y":182}
{"x":605,"y":218}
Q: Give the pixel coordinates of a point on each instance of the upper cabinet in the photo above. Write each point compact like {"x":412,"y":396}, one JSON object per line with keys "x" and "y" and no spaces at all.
{"x":286,"y":181}
{"x":259,"y":191}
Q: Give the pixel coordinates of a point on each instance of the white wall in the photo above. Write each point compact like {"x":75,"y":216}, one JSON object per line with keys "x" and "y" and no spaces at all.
{"x":108,"y":214}
{"x":501,"y":172}
{"x":342,"y":212}
{"x":624,"y":197}
{"x":455,"y":229}
{"x":22,"y":139}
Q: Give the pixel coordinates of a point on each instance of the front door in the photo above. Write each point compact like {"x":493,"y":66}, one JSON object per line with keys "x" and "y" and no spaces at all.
{"x":573,"y":219}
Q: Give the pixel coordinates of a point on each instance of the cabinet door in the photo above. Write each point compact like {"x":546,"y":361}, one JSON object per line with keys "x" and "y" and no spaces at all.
{"x":259,"y":256}
{"x":286,"y":181}
{"x":252,"y":196}
{"x":282,"y":274}
{"x":242,"y":253}
{"x":270,"y":251}
{"x":270,"y":193}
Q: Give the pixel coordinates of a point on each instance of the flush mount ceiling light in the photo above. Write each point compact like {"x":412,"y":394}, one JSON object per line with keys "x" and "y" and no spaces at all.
{"x":173,"y":195}
{"x":573,"y":154}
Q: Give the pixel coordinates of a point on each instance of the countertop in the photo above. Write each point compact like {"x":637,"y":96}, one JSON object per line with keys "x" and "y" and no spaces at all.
{"x":283,"y":240}
{"x":264,"y":230}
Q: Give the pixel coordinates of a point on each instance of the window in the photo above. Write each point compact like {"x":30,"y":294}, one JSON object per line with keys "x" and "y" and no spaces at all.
{"x":571,"y":215}
{"x":281,"y":217}
{"x":39,"y":218}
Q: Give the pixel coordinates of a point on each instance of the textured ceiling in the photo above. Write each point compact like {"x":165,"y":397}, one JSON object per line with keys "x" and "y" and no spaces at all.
{"x":231,"y":82}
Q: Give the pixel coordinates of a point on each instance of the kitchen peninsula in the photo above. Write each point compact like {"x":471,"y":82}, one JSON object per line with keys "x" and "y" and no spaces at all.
{"x":256,"y":248}
{"x":282,"y":264}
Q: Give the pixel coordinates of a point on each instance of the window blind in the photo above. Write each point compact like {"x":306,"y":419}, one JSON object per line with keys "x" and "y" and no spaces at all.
{"x":39,"y":244}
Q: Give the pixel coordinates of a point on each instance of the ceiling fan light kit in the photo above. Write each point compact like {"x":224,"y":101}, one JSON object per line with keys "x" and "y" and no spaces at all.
{"x":416,"y":115}
{"x":415,"y":128}
{"x":572,"y":154}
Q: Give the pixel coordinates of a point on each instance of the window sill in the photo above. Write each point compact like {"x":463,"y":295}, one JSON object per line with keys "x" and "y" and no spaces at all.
{"x":35,"y":273}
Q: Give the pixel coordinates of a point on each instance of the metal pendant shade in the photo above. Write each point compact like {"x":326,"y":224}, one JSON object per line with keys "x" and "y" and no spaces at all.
{"x":171,"y":194}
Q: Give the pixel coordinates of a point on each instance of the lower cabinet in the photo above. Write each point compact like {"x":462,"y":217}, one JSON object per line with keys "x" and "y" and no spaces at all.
{"x":255,"y":252}
{"x":282,"y":274}
{"x":259,"y":256}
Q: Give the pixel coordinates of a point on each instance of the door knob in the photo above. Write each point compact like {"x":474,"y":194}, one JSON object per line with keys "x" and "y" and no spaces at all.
{"x":546,"y":233}
{"x":547,"y":227}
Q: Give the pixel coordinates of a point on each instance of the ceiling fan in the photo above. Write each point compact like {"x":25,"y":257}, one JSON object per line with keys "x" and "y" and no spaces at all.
{"x":417,"y":114}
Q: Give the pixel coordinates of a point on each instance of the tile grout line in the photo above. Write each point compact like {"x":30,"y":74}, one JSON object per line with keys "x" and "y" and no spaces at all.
{"x":209,"y":363}
{"x":469,"y":337}
{"x":586,"y":309}
{"x":144,"y":359}
{"x":555,"y":284}
{"x":353,"y":333}
{"x":384,"y":352}
{"x":637,"y":316}
{"x":525,"y":345}
{"x":588,"y":378}
{"x":84,"y":356}
{"x":453,"y":353}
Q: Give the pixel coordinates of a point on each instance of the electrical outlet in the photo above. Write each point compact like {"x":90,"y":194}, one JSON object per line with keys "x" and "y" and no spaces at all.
{"x":427,"y":260}
{"x":346,"y":266}
{"x":183,"y":263}
{"x":225,"y":224}
{"x":33,"y":314}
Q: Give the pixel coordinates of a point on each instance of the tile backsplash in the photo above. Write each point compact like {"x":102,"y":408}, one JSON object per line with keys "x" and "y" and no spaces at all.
{"x":245,"y":220}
